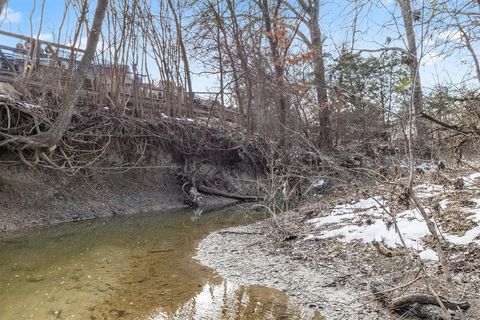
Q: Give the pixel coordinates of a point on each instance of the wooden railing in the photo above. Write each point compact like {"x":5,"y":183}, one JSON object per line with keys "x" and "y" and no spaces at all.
{"x":54,"y":56}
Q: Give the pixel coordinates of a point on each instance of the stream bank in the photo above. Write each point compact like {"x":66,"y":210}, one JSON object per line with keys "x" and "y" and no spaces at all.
{"x":108,"y":165}
{"x":247,"y":255}
{"x":33,"y":197}
{"x":326,"y":255}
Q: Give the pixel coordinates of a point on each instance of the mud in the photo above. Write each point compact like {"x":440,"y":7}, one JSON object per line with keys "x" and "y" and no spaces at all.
{"x":30,"y":197}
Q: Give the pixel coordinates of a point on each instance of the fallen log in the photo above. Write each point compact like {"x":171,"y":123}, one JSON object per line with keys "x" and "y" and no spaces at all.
{"x":235,"y":196}
{"x":425,"y":306}
{"x":421,"y":298}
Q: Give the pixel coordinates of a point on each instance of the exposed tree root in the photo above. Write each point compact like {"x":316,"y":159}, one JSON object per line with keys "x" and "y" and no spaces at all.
{"x":229,"y":195}
{"x":426,"y":306}
{"x":92,"y":137}
{"x":421,"y":298}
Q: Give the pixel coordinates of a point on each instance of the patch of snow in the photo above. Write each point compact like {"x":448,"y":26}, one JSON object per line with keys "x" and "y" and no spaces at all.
{"x":318,"y":222}
{"x":372,"y":206}
{"x":31,"y":106}
{"x":426,"y":167}
{"x":164,"y":116}
{"x":470,"y":179}
{"x":411,"y":224}
{"x":444,"y":204}
{"x":185,"y":119}
{"x":311,"y":237}
{"x":470,"y":235}
{"x":428,"y":254}
{"x":318,"y":183}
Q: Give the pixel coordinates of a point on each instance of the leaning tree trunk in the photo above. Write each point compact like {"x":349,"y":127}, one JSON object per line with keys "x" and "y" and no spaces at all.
{"x":3,"y":4}
{"x":74,"y":86}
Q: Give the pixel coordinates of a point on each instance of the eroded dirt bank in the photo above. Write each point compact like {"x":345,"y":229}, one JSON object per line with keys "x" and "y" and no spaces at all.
{"x":109,"y":165}
{"x":32,"y":197}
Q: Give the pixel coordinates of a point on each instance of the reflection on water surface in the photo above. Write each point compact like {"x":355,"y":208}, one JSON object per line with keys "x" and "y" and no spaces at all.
{"x":137,"y":267}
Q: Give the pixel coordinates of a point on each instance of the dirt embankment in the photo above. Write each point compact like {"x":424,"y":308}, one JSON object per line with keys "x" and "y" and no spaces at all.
{"x":35,"y":197}
{"x":107,"y":165}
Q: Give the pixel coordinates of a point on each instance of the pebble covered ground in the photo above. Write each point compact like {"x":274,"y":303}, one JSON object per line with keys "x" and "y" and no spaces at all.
{"x":306,"y":256}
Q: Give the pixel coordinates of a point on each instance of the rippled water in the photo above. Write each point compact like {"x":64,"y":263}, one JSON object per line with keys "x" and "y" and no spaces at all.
{"x":137,"y":267}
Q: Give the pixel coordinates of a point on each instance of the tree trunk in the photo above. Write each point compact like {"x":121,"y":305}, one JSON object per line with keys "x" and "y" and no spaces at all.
{"x":240,"y":50}
{"x":310,"y":16}
{"x":281,"y":101}
{"x":186,"y":64}
{"x":74,"y":87}
{"x":3,"y":4}
{"x":414,"y":67}
{"x":235,"y":74}
{"x":319,"y":75}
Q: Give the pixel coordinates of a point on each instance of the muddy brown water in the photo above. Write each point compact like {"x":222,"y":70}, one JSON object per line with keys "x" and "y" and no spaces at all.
{"x":136,"y":267}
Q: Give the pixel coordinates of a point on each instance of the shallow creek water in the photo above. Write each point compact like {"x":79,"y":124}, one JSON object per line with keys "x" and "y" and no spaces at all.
{"x":136,"y":267}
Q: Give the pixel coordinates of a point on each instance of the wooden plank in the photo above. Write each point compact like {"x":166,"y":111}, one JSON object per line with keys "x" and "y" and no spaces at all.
{"x":25,"y":38}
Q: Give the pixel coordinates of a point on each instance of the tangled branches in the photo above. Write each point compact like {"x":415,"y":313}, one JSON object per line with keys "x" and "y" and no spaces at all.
{"x":103,"y":142}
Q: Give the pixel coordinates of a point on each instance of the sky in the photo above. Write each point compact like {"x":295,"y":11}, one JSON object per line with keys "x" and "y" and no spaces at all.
{"x":335,"y":22}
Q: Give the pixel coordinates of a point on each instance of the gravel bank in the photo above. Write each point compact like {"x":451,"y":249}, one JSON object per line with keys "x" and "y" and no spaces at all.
{"x":244,"y":255}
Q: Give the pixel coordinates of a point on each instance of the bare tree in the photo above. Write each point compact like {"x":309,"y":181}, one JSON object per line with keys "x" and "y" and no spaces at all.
{"x":186,"y":64}
{"x":271,"y":25}
{"x":311,"y":18}
{"x":240,"y":50}
{"x":74,"y":87}
{"x":413,"y":62}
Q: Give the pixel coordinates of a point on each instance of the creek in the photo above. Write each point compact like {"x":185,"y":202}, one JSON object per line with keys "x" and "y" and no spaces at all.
{"x":130,"y":267}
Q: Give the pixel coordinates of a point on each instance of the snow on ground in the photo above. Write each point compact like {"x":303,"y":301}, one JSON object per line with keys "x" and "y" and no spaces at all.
{"x":369,"y":220}
{"x":469,"y":180}
{"x":185,"y":119}
{"x":31,"y":106}
{"x":379,"y":228}
{"x":426,"y":167}
{"x":373,"y":207}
